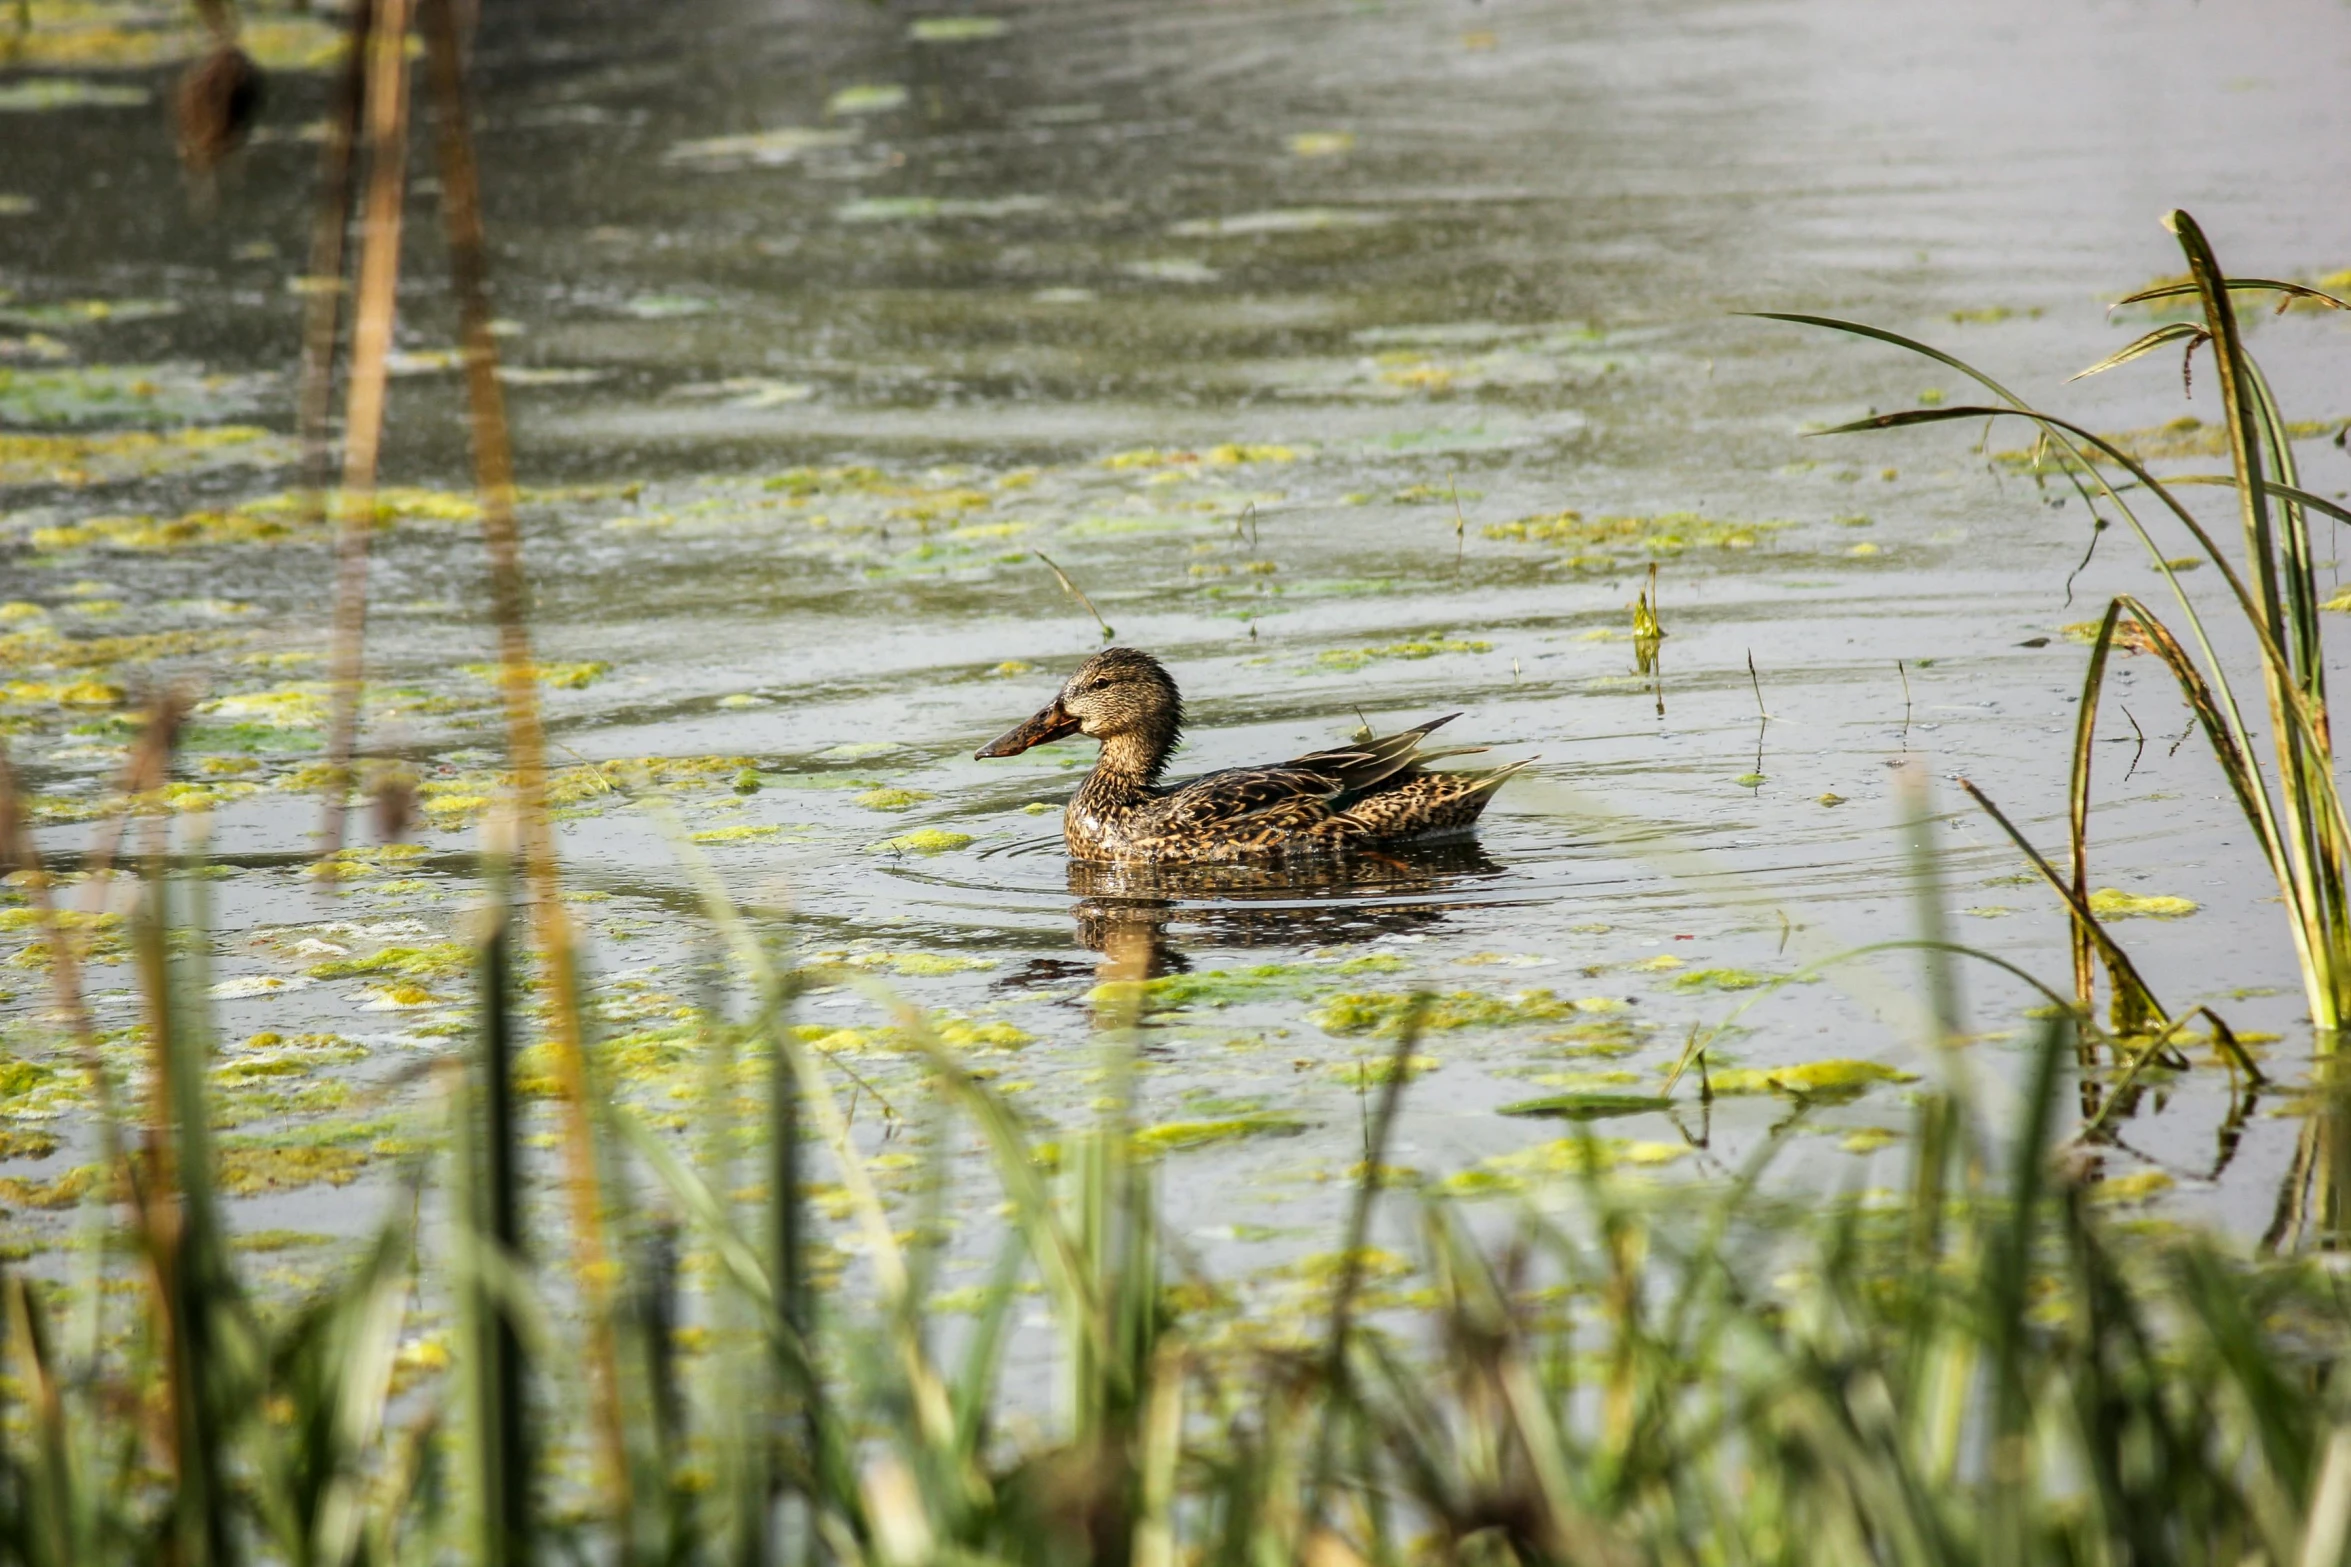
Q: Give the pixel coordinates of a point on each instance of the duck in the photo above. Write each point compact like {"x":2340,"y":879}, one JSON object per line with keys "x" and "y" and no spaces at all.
{"x":1373,"y":791}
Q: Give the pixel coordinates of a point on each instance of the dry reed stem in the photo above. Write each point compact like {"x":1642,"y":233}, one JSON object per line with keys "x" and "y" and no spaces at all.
{"x":323,"y":306}
{"x":461,"y":211}
{"x":363,"y":409}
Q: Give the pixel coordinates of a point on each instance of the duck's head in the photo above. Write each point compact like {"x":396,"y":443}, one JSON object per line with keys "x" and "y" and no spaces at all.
{"x":1121,"y":694}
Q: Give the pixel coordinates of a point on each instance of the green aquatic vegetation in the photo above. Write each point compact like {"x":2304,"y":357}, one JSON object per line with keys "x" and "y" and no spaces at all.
{"x":967,"y":1034}
{"x":1384,"y":1013}
{"x":867,"y":98}
{"x":890,"y":799}
{"x":1376,"y":1071}
{"x":16,"y":1143}
{"x":1834,"y":1081}
{"x":356,"y":863}
{"x":442,"y":960}
{"x":39,"y":94}
{"x":745,"y":833}
{"x":920,"y":965}
{"x":1518,"y":1172}
{"x":80,"y":461}
{"x":1183,"y":1136}
{"x":929,"y":840}
{"x":118,"y":395}
{"x":253,"y":1169}
{"x":2112,"y":903}
{"x":1208,"y":988}
{"x":1667,"y":533}
{"x":58,"y":1192}
{"x":956,"y":29}
{"x":1720,"y":979}
{"x":1353,"y":658}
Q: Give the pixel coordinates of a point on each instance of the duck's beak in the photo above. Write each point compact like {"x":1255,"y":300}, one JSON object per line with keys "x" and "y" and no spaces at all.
{"x":1050,"y":722}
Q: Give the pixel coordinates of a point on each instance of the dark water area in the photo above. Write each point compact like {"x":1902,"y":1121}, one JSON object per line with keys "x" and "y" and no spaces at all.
{"x":1357,"y":359}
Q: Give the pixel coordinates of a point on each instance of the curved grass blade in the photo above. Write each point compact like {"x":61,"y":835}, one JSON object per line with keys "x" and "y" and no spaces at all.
{"x":2292,"y":291}
{"x":2171,"y":332}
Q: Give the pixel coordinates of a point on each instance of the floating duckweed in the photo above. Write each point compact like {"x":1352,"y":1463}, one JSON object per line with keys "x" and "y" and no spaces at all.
{"x":1868,"y":1139}
{"x":1830,"y":1080}
{"x":15,"y":1144}
{"x":249,"y":1169}
{"x":1356,"y":657}
{"x":2112,"y":903}
{"x":1212,"y":988}
{"x":130,"y":454}
{"x":61,"y":1191}
{"x":892,"y":799}
{"x":1372,"y":963}
{"x":1664,"y":534}
{"x":959,"y":1033}
{"x":444,"y":960}
{"x":1179,"y":1136}
{"x":21,"y":1077}
{"x":2139,"y":1186}
{"x":867,"y":98}
{"x":1383,"y":1013}
{"x":743,"y":834}
{"x":920,"y":965}
{"x":930,"y":840}
{"x":397,"y":998}
{"x":1720,"y":979}
{"x":1510,"y":1173}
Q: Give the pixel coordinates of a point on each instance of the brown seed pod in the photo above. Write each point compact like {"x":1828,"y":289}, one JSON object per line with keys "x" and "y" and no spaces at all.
{"x":219,"y":100}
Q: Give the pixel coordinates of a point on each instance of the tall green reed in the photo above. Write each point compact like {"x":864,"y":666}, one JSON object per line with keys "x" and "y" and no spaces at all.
{"x":2294,"y":804}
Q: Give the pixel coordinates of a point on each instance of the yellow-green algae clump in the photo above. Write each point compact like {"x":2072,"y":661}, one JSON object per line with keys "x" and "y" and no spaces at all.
{"x":1384,"y":1013}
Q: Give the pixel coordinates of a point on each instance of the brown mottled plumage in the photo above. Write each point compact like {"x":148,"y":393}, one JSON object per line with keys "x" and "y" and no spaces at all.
{"x":1356,"y":796}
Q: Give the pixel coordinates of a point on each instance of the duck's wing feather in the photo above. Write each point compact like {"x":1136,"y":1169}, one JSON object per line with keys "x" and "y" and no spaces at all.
{"x":1366,"y":764}
{"x":1295,"y":795}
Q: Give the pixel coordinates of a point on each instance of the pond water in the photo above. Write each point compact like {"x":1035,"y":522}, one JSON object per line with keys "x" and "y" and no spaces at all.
{"x":1357,"y":359}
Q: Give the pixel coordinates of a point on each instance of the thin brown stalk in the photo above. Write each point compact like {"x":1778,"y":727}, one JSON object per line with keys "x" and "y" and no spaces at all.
{"x":2085,"y":969}
{"x":322,"y":309}
{"x":363,"y":408}
{"x":461,"y":211}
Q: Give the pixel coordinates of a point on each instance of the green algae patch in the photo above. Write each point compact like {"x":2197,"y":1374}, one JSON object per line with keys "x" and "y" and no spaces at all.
{"x":892,"y":799}
{"x":1514,"y":1173}
{"x":18,"y":1144}
{"x":61,"y":1191}
{"x":1351,"y":658}
{"x":2112,"y":903}
{"x":742,"y":834}
{"x":1666,"y":533}
{"x":1376,"y":1071}
{"x":442,"y":960}
{"x":80,"y":461}
{"x":930,"y":840}
{"x":254,"y":1169}
{"x":2140,"y":1186}
{"x":961,"y":1033}
{"x":1183,"y":1136}
{"x":956,"y":29}
{"x":1213,"y":988}
{"x":1720,"y":979}
{"x":1383,"y":1013}
{"x":39,"y":94}
{"x":121,"y":395}
{"x":1227,"y":456}
{"x":920,"y":965}
{"x":1834,"y":1081}
{"x":1593,"y":1106}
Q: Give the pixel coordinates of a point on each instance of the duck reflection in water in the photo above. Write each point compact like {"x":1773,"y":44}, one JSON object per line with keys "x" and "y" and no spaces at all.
{"x":1129,"y":912}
